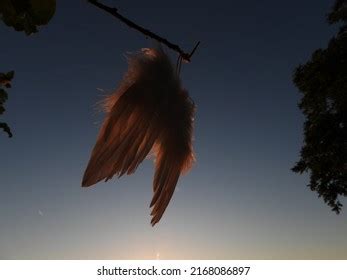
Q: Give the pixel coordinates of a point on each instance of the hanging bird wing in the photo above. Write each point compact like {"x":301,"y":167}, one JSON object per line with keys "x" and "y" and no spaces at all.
{"x":149,"y":111}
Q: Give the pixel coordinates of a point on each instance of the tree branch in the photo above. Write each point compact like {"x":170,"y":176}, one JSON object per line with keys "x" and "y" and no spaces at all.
{"x":146,"y":32}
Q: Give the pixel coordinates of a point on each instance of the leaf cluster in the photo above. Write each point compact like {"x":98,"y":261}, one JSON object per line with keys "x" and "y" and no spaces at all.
{"x":5,"y":81}
{"x":338,"y":12}
{"x":26,"y":15}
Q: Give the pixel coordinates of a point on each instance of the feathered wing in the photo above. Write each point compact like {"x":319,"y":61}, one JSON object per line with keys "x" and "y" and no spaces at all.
{"x":173,"y":150}
{"x":149,"y":111}
{"x":130,"y":127}
{"x":125,"y":138}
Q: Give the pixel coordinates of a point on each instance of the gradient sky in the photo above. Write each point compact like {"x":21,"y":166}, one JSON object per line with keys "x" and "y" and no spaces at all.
{"x":240,"y":201}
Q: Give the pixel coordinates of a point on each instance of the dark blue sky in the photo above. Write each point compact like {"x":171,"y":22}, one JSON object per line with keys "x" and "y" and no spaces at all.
{"x":240,"y":200}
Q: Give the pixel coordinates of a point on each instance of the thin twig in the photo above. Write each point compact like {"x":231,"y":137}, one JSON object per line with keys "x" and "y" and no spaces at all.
{"x":146,"y":32}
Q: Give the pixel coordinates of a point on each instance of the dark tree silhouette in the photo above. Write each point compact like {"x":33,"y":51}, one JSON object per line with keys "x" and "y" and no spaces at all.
{"x":5,"y":81}
{"x":323,"y":83}
{"x":26,"y":15}
{"x":22,"y":15}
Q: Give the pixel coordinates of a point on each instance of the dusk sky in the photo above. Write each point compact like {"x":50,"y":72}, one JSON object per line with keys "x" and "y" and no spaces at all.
{"x":240,"y":201}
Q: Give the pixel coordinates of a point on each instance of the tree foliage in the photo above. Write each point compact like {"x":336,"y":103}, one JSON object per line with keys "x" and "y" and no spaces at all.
{"x":5,"y":81}
{"x":323,"y":83}
{"x":26,"y":15}
{"x":22,"y":15}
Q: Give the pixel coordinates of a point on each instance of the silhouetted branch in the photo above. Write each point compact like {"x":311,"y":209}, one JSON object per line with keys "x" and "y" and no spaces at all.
{"x":114,"y":12}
